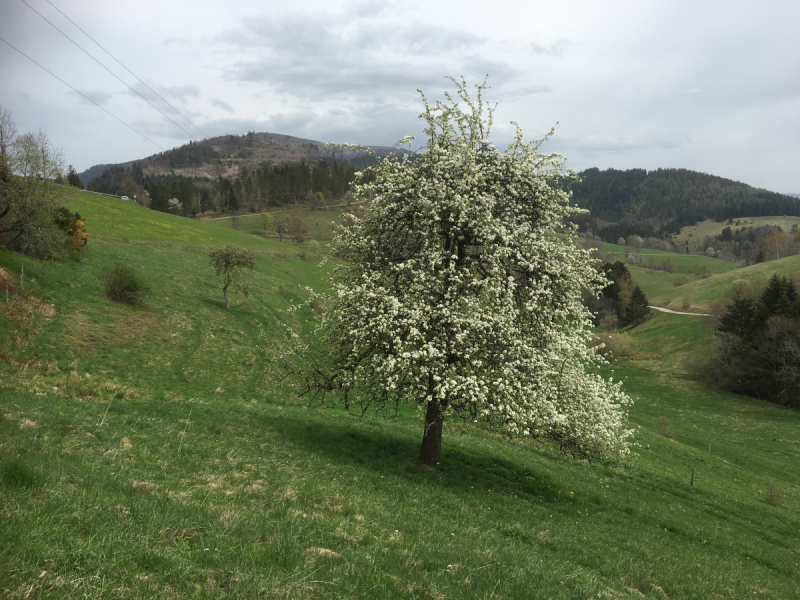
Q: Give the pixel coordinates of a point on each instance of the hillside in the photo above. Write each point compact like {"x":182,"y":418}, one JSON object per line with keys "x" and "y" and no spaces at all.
{"x":700,"y":294}
{"x":155,"y":451}
{"x":664,"y":200}
{"x":227,"y":155}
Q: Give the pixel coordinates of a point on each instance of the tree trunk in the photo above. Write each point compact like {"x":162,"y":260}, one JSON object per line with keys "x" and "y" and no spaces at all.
{"x":430,"y":453}
{"x":227,"y":301}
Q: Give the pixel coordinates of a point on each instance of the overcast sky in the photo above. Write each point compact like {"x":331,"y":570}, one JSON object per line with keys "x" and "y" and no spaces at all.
{"x":709,"y":86}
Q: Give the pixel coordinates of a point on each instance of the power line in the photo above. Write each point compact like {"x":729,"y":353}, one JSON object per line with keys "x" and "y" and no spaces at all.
{"x":126,"y":68}
{"x":82,"y":94}
{"x":107,"y":69}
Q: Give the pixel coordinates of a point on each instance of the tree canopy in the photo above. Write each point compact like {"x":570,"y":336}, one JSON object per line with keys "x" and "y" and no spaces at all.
{"x":759,"y":343}
{"x":29,"y":164}
{"x":459,"y":296}
{"x":229,"y":261}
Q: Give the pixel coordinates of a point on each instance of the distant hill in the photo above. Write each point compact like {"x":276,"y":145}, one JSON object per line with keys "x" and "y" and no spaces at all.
{"x":227,"y":155}
{"x":92,"y":172}
{"x":664,"y":200}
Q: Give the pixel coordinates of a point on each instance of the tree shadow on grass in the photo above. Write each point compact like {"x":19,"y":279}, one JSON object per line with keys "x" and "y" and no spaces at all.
{"x":390,"y":451}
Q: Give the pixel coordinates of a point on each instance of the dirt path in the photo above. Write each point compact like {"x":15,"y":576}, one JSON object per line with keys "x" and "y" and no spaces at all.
{"x":675,"y":312}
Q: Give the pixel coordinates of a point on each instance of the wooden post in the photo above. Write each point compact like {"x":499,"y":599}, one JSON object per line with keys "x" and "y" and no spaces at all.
{"x":22,"y":277}
{"x":691,"y":483}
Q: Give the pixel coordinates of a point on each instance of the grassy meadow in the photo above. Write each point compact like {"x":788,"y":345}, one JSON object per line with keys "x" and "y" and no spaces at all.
{"x":695,"y":234}
{"x":321,"y":221}
{"x":155,"y":451}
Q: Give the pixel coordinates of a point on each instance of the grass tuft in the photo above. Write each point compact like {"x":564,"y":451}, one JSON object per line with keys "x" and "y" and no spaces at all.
{"x":16,"y":473}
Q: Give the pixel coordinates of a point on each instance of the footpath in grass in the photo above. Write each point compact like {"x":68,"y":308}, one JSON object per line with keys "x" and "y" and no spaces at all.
{"x":154,"y":451}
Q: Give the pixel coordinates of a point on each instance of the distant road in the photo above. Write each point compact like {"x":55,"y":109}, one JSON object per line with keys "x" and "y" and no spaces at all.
{"x":675,"y":312}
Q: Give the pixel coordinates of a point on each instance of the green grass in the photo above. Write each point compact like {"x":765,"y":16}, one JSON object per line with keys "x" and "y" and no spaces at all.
{"x":321,"y":222}
{"x":155,"y":452}
{"x":698,"y":295}
{"x":710,"y":228}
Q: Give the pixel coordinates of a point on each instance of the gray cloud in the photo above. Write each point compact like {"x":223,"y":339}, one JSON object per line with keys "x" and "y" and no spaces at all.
{"x":327,"y":56}
{"x":96,"y":96}
{"x":556,"y":49}
{"x":223,"y":105}
{"x":632,"y":84}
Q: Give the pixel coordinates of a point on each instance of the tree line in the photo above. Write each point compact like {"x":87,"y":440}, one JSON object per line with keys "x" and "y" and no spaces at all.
{"x":269,"y":185}
{"x":759,"y":342}
{"x":662,"y":201}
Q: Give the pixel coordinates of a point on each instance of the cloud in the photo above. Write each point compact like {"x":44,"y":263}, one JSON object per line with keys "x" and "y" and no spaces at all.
{"x":601,"y":144}
{"x":377,"y":122}
{"x":556,"y":49}
{"x":180,"y":93}
{"x":97,"y":96}
{"x":328,"y":56}
{"x":223,"y":105}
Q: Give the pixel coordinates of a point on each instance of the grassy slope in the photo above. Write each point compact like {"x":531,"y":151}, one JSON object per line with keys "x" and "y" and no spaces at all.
{"x":166,"y":458}
{"x":710,"y":228}
{"x":320,"y":221}
{"x":698,"y":295}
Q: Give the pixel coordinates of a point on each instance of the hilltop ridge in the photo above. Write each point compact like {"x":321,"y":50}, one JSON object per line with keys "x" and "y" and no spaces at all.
{"x":227,"y":155}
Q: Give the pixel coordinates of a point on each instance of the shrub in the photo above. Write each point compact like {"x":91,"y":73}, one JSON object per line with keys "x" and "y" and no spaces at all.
{"x":702,"y":270}
{"x":615,"y":346}
{"x":680,"y":280}
{"x":123,"y":284}
{"x":662,"y":427}
{"x":773,"y":496}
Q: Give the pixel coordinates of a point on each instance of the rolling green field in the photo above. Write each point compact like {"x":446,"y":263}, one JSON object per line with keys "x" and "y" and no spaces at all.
{"x":710,"y":228}
{"x":321,"y":221}
{"x":699,"y":294}
{"x":156,"y":452}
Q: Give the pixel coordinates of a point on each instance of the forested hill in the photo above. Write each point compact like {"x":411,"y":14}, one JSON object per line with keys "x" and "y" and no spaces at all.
{"x":228,"y":155}
{"x":666,"y":199}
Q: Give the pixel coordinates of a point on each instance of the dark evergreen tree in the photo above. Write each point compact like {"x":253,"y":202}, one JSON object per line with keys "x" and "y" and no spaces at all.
{"x":73,"y":179}
{"x":638,"y":308}
{"x":739,"y":318}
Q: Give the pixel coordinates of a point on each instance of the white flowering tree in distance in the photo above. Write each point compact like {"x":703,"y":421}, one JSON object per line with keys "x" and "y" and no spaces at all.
{"x":457,"y":294}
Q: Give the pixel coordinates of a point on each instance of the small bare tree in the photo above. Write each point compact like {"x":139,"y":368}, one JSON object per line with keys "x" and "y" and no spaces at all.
{"x":8,"y":131}
{"x":298,"y":228}
{"x":229,"y":261}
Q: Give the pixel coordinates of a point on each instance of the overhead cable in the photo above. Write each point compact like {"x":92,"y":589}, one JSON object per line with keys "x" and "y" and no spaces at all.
{"x":82,"y":94}
{"x":126,"y":68}
{"x":109,"y":70}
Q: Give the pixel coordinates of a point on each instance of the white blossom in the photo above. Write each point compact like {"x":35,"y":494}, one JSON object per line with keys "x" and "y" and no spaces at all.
{"x":458,"y":292}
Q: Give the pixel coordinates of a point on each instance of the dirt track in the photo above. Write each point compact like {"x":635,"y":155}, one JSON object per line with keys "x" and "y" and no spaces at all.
{"x":675,"y":312}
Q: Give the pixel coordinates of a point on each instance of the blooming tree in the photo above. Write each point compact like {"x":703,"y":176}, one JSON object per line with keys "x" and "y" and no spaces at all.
{"x":457,"y":294}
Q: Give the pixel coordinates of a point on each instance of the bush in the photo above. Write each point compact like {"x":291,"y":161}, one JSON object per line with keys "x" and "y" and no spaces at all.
{"x":615,"y":346}
{"x":680,"y":280}
{"x":702,"y":270}
{"x":662,"y":427}
{"x":774,"y":497}
{"x":122,"y":284}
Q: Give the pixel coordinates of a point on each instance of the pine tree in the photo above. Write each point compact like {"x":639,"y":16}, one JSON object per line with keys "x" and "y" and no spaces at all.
{"x":638,"y":308}
{"x":73,"y":179}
